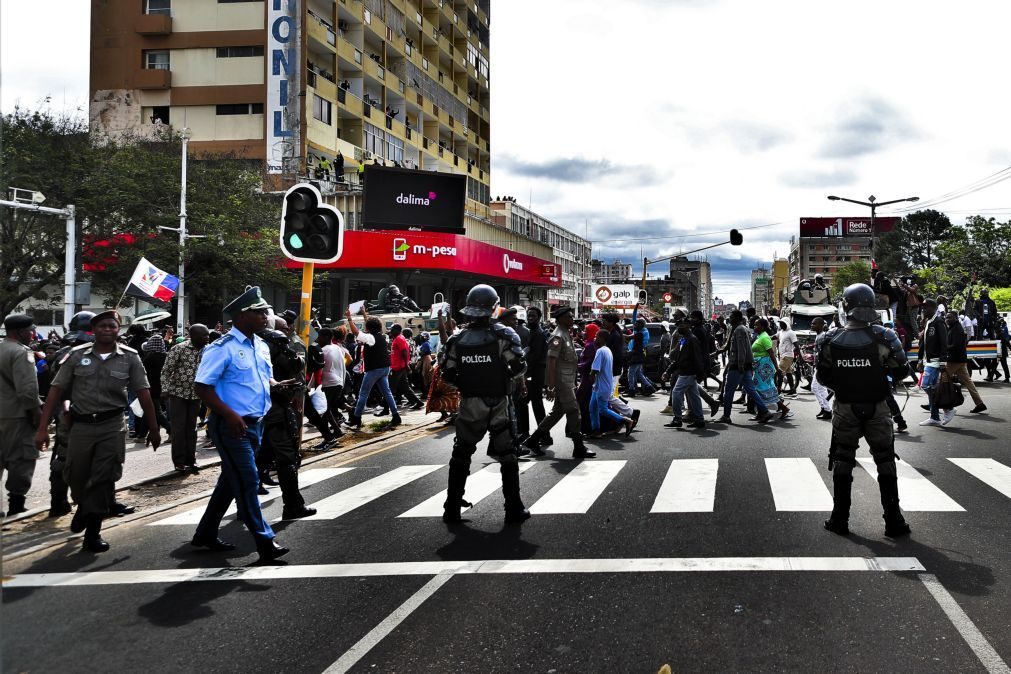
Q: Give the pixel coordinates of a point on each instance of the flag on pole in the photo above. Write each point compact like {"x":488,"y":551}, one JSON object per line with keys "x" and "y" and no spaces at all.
{"x":149,"y":282}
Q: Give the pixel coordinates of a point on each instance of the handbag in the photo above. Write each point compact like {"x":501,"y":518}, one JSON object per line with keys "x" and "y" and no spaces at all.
{"x":949,"y":393}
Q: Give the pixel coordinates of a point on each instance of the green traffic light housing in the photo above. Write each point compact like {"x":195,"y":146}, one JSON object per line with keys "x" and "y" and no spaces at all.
{"x":311,"y":231}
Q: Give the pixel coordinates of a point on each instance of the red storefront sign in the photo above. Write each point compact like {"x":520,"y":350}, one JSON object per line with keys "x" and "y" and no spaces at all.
{"x":819,"y":227}
{"x":440,"y":252}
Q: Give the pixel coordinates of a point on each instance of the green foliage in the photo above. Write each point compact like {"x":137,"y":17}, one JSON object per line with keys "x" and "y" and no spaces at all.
{"x":131,"y":186}
{"x":854,"y":272}
{"x":1002,"y":298}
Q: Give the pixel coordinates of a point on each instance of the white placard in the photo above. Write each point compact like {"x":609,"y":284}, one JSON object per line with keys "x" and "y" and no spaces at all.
{"x":356,"y":307}
{"x":438,"y":307}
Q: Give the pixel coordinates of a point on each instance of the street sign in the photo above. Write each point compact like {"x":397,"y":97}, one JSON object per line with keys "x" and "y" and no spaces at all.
{"x":668,"y":298}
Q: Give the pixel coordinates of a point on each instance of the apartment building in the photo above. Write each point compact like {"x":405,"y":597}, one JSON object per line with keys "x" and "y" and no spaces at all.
{"x":614,"y":272}
{"x":701,"y":274}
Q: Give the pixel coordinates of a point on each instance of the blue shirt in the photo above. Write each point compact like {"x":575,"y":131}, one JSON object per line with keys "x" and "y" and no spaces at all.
{"x":239,"y":369}
{"x":604,"y":384}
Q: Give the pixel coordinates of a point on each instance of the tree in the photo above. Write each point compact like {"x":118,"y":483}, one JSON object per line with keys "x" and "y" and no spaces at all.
{"x":854,"y":272}
{"x":1002,"y":298}
{"x":913,"y":244}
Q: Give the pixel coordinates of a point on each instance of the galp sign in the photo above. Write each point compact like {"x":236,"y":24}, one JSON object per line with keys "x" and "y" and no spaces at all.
{"x":615,"y":295}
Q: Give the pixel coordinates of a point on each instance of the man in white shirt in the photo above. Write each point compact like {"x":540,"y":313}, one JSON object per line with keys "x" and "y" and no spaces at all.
{"x":335,"y":358}
{"x":603,"y":388}
{"x":787,"y":344}
{"x":968,"y":325}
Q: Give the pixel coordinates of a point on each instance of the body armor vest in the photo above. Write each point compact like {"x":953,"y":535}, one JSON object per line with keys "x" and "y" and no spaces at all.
{"x":858,"y":371}
{"x":482,"y":369}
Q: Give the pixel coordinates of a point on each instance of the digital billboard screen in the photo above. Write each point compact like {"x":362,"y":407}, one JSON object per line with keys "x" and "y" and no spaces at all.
{"x":398,"y":198}
{"x":821,"y":227}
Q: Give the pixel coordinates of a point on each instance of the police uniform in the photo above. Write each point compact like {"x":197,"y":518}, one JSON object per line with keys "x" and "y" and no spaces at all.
{"x":96,"y":442}
{"x":562,"y":349}
{"x":239,"y":370}
{"x":854,"y":362}
{"x":19,"y":411}
{"x":484,"y":361}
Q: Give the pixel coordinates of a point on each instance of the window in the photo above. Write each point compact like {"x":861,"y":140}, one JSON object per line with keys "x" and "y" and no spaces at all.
{"x":321,"y":109}
{"x":158,"y":7}
{"x":222,"y":2}
{"x":239,"y":109}
{"x":160,"y":114}
{"x":156,"y":60}
{"x":239,"y":52}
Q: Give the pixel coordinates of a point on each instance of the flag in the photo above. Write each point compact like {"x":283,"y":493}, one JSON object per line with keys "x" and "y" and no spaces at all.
{"x":149,"y":282}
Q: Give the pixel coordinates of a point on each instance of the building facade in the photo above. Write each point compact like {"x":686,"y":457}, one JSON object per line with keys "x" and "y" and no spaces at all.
{"x":616,"y":272}
{"x":824,"y":255}
{"x":780,"y":282}
{"x":761,"y":290}
{"x":700,"y":273}
{"x":571,"y":253}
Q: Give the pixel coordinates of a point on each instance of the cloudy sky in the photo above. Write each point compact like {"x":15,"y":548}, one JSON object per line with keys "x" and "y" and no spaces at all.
{"x":660,"y":124}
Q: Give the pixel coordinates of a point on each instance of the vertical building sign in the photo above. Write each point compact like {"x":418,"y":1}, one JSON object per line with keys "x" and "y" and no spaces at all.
{"x":283,"y":65}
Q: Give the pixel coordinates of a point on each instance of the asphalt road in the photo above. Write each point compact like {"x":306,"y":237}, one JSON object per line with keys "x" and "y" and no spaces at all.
{"x":702,"y":550}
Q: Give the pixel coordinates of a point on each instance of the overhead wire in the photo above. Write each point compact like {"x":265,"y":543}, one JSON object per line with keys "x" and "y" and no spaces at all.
{"x":966,"y":190}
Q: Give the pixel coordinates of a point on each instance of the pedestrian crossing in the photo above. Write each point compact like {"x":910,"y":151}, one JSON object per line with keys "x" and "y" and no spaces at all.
{"x":688,"y":486}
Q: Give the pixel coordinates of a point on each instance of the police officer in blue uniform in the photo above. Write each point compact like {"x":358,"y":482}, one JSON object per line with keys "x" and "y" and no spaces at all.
{"x":484,"y":361}
{"x":854,"y":361}
{"x":234,"y":380}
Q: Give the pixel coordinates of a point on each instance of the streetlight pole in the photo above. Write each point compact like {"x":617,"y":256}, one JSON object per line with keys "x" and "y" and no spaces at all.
{"x":181,"y":306}
{"x":873,"y":203}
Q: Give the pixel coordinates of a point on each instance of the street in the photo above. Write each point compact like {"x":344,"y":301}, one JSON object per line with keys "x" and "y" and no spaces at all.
{"x":701,"y":550}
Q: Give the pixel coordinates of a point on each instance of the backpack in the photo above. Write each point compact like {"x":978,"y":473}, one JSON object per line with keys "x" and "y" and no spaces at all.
{"x":314,"y":359}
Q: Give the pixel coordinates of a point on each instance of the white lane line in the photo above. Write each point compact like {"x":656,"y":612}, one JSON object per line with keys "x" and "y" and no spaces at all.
{"x":481,"y":567}
{"x":797,"y":486}
{"x":993,"y":473}
{"x":916,"y":493}
{"x":306,"y":478}
{"x":382,"y":630}
{"x":577,"y":491}
{"x":690,"y":487}
{"x":480,"y":485}
{"x":345,"y":501}
{"x":989,"y":657}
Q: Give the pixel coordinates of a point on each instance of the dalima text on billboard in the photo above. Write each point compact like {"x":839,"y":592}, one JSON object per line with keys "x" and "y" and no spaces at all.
{"x":398,"y":198}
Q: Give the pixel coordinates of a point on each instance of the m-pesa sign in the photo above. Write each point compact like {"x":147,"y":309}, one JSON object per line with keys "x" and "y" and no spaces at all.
{"x":436,"y":251}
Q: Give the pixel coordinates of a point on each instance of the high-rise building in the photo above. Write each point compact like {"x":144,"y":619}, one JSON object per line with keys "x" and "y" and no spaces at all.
{"x":616,"y":272}
{"x":825,"y":244}
{"x":761,"y":290}
{"x":701,"y":274}
{"x":780,"y":282}
{"x":571,"y":252}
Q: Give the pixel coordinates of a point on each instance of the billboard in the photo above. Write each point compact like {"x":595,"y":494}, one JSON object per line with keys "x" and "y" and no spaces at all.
{"x":283,"y":102}
{"x":398,"y":198}
{"x":822,"y":227}
{"x":615,"y":295}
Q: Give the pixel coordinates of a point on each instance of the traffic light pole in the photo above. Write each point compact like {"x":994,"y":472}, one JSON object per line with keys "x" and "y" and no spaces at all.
{"x":305,"y":307}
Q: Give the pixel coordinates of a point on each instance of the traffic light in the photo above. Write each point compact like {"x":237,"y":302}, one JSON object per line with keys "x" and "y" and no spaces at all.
{"x":311,"y":231}
{"x":735,"y":238}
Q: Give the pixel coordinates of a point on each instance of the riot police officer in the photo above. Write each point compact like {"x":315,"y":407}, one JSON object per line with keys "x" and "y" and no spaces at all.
{"x":853,"y":361}
{"x":19,"y":410}
{"x":280,"y":426}
{"x":561,"y":387}
{"x":483,"y":361}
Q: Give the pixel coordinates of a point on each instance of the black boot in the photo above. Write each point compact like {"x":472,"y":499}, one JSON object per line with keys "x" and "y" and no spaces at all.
{"x":294,"y":504}
{"x":395,"y":420}
{"x":515,"y":511}
{"x":266,"y":479}
{"x":454,"y":494}
{"x":15,"y":505}
{"x":535,"y":441}
{"x":269,"y":550}
{"x":900,"y":423}
{"x":93,"y":541}
{"x":838,"y":521}
{"x":58,"y":508}
{"x":895,"y":523}
{"x":579,"y":450}
{"x":354,"y":422}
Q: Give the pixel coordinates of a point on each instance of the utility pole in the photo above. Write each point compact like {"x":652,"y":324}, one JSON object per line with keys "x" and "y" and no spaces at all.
{"x":181,"y":292}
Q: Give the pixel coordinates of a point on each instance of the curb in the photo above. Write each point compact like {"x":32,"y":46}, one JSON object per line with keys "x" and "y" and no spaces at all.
{"x":118,"y":521}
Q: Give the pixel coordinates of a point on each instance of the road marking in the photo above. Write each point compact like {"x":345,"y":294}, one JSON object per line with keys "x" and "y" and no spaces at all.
{"x":797,"y":486}
{"x":577,"y":491}
{"x":354,"y":497}
{"x":479,"y":567}
{"x":993,"y":473}
{"x":305,"y":478}
{"x":989,"y":657}
{"x":480,"y":485}
{"x":690,"y":487}
{"x":916,"y":493}
{"x":390,"y":623}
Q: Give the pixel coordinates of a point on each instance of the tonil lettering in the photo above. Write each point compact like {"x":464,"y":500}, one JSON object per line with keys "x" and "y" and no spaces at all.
{"x":853,"y":362}
{"x":473,"y":360}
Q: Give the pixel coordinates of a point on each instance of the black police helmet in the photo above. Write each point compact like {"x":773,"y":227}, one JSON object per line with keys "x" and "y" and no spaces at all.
{"x":859,"y":301}
{"x":481,"y":301}
{"x":81,"y":321}
{"x":275,"y":336}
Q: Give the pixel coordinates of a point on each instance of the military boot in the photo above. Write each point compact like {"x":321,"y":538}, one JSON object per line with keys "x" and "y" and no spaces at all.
{"x":579,"y":450}
{"x":838,"y":521}
{"x":58,"y":508}
{"x":93,"y":541}
{"x":535,"y":441}
{"x":515,"y":511}
{"x":454,"y":494}
{"x":895,"y":523}
{"x":15,"y":505}
{"x":294,"y":504}
{"x":900,"y":424}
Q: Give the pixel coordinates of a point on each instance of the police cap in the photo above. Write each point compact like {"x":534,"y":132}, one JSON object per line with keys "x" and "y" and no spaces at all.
{"x":18,"y":322}
{"x":560,"y":311}
{"x":108,"y":313}
{"x":250,"y":300}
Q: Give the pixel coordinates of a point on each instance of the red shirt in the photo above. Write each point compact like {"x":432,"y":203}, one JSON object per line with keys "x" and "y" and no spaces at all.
{"x":400,"y":353}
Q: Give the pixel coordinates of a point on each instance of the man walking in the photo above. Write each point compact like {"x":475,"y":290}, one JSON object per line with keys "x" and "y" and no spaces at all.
{"x":234,"y":382}
{"x":400,"y":361}
{"x":819,"y":390}
{"x":637,"y":356}
{"x":19,"y":410}
{"x":537,"y":358}
{"x":932,"y":355}
{"x":688,"y":364}
{"x":957,"y":359}
{"x":603,"y":387}
{"x":177,"y":378}
{"x":741,"y":369}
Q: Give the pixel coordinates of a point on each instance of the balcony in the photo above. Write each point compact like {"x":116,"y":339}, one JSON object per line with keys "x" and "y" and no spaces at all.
{"x":321,"y":31}
{"x":153,"y":24}
{"x":150,"y":78}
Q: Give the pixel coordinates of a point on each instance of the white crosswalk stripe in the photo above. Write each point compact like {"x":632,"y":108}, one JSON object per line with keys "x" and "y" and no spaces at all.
{"x":480,"y":485}
{"x":797,"y":485}
{"x":993,"y":473}
{"x":916,"y":493}
{"x":345,"y":501}
{"x":689,"y":487}
{"x":577,"y":491}
{"x":305,"y":478}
